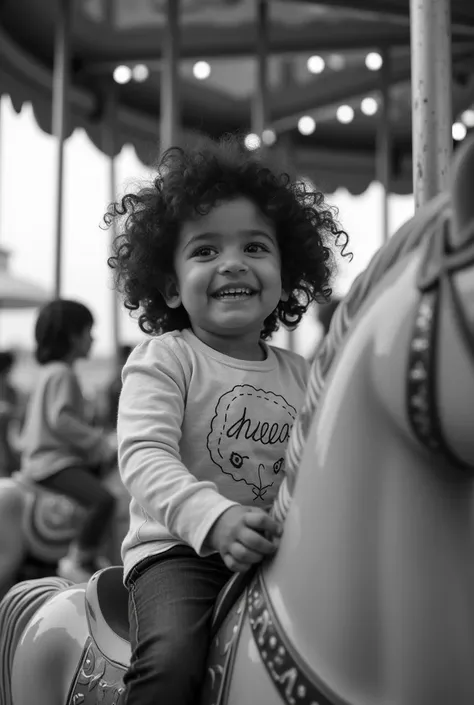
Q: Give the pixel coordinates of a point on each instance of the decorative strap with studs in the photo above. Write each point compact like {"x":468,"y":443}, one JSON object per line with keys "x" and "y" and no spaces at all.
{"x":422,"y":405}
{"x":292,"y":678}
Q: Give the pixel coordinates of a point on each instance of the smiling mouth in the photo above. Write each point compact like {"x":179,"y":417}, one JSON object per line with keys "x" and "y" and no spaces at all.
{"x":233,"y":294}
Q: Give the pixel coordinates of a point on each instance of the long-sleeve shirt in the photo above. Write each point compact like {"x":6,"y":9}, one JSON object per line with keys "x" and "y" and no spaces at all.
{"x":56,"y":434}
{"x":199,"y":432}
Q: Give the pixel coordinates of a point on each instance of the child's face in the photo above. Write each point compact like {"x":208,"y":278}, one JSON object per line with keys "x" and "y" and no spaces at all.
{"x":228,"y":270}
{"x":82,"y":343}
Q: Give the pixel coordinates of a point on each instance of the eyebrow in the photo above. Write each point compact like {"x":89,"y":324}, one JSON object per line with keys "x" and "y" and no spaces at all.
{"x":200,"y":237}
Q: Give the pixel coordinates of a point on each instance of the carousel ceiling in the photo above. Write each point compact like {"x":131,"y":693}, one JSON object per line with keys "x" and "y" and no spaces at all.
{"x":111,"y":33}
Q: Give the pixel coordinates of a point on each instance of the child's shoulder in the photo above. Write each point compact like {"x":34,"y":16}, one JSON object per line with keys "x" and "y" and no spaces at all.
{"x":291,"y":360}
{"x":56,"y":369}
{"x":170,"y":349}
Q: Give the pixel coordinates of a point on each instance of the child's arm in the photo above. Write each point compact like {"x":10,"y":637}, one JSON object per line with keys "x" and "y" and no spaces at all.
{"x":150,"y":417}
{"x":68,"y":425}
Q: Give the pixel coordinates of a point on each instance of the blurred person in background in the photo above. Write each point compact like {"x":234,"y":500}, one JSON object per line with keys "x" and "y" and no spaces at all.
{"x":62,"y":451}
{"x":11,"y":416}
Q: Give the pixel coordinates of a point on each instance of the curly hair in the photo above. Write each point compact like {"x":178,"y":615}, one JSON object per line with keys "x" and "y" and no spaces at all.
{"x":191,"y":182}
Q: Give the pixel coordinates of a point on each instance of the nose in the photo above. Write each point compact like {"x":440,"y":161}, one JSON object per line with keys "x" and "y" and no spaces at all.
{"x":232,"y":264}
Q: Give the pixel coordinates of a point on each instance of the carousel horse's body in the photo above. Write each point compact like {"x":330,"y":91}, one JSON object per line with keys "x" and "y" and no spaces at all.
{"x":36,"y":528}
{"x":370,"y":597}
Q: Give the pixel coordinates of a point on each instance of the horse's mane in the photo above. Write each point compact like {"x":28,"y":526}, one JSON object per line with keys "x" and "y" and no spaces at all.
{"x":405,"y":240}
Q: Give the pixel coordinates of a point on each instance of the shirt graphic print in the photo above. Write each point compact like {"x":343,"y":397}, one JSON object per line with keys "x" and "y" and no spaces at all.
{"x":248,"y":437}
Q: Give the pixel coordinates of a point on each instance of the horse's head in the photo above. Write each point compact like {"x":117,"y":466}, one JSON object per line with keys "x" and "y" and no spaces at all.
{"x":417,"y":298}
{"x":380,"y":532}
{"x":425,"y":347}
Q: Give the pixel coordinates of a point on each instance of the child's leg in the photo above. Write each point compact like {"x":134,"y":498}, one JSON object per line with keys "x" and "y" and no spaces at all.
{"x":170,"y":608}
{"x":86,"y":488}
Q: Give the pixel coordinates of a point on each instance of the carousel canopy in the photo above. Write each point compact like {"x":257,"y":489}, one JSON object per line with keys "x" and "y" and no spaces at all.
{"x":106,"y":34}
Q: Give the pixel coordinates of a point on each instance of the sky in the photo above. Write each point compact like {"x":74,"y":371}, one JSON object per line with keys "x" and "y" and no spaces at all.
{"x":27,"y":227}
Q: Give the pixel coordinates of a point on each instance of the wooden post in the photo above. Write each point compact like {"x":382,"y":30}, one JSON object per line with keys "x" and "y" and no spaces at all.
{"x":61,"y":78}
{"x":169,"y":98}
{"x":431,"y":97}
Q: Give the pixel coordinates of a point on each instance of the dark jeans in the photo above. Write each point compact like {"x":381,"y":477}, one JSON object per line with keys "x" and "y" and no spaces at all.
{"x":85,"y":486}
{"x":171,"y":600}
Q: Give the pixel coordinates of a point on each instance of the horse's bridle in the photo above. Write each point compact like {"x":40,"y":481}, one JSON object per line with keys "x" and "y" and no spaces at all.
{"x":435,"y":280}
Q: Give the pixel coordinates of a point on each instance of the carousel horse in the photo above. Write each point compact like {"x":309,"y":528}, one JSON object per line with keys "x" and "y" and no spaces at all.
{"x":370,"y":597}
{"x":37,"y":526}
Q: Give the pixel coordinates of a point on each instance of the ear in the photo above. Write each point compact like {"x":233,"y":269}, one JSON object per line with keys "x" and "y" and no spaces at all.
{"x":171,"y":293}
{"x":284,"y":295}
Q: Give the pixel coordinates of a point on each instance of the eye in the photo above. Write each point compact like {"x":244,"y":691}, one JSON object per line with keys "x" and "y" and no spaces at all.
{"x":255,"y":247}
{"x":278,"y":465}
{"x":237,"y":460}
{"x":205,"y":251}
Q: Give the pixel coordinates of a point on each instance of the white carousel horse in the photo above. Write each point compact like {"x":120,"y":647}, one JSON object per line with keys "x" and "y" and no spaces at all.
{"x":370,"y":598}
{"x":37,"y":526}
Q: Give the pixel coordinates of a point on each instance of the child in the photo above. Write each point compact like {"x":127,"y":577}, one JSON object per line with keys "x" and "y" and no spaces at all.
{"x":215,"y":253}
{"x":61,"y":451}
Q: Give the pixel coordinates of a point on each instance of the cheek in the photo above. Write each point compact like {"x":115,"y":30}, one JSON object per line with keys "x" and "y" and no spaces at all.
{"x":195,"y":281}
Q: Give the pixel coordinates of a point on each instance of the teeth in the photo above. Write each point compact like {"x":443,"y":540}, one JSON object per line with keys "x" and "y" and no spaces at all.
{"x":234,"y":292}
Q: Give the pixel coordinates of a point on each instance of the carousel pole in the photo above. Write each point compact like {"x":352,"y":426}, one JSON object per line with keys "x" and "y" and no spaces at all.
{"x":260,"y":116}
{"x":109,"y":147}
{"x":431,"y":73}
{"x":61,"y":78}
{"x":1,"y":162}
{"x":384,"y":142}
{"x":169,"y":97}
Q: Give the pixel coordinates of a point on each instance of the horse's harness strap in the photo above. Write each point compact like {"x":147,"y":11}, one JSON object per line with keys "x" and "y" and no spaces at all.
{"x":293,"y":679}
{"x":422,"y":404}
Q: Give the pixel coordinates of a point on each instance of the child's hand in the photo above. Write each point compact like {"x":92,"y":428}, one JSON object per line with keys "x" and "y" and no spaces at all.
{"x":244,"y":536}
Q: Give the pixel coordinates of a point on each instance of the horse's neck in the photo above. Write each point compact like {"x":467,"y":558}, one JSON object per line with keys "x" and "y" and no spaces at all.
{"x":371,"y":579}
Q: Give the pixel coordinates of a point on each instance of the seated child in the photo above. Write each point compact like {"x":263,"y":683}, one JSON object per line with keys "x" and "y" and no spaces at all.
{"x":61,"y":450}
{"x":215,"y":253}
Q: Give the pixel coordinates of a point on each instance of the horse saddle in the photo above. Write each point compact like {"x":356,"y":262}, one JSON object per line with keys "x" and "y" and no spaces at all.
{"x":107,"y":611}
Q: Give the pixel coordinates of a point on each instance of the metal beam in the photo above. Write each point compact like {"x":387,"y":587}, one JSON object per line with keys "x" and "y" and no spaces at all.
{"x":391,"y":12}
{"x":153,"y":58}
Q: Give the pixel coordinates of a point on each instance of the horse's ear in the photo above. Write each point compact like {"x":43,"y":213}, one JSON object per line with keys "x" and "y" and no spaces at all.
{"x":462,"y":195}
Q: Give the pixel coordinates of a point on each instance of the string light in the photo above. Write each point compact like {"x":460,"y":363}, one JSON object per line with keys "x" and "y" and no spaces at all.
{"x":306,"y":125}
{"x":345,"y":114}
{"x":140,"y":73}
{"x":269,"y":137}
{"x":369,"y":106}
{"x":122,"y":74}
{"x":252,"y":141}
{"x":468,"y":118}
{"x":373,"y":61}
{"x":459,"y":131}
{"x":201,"y":70}
{"x":315,"y":64}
